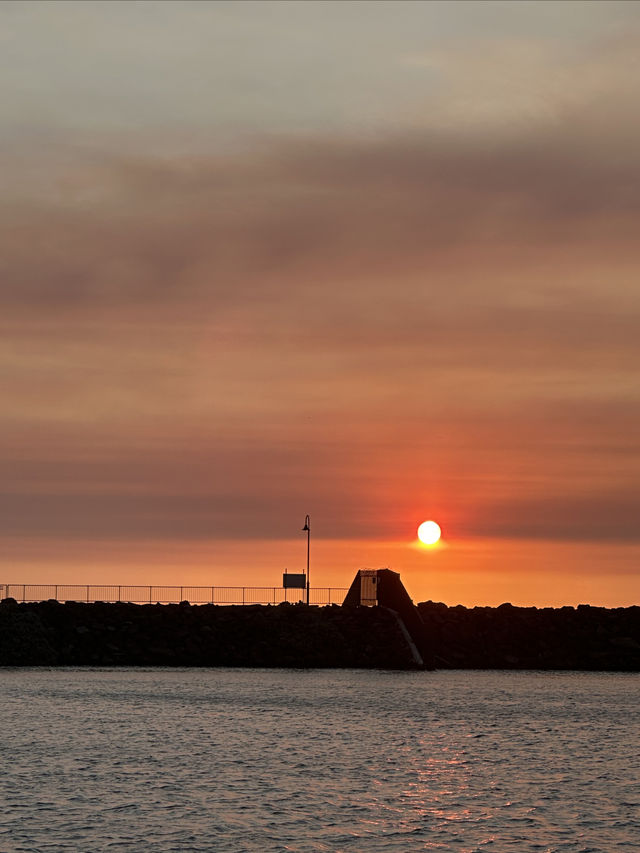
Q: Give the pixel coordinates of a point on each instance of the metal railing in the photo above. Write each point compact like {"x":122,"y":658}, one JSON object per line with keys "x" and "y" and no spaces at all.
{"x":114,"y":593}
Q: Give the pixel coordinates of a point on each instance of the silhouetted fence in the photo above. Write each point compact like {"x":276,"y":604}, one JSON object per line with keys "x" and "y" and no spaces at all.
{"x":170,"y":594}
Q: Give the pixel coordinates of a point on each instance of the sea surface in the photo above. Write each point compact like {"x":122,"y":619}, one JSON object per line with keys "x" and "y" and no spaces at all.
{"x":318,"y":760}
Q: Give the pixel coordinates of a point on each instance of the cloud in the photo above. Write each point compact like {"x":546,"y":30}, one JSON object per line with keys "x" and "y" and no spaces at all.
{"x":317,"y":215}
{"x":602,"y":516}
{"x":362,"y":327}
{"x":240,"y":69}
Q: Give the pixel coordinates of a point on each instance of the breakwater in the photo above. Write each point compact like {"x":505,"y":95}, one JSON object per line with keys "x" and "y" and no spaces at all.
{"x":77,"y":634}
{"x":507,"y":637}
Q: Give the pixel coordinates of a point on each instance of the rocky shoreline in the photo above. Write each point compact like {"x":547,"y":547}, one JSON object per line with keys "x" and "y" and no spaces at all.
{"x":76,"y":634}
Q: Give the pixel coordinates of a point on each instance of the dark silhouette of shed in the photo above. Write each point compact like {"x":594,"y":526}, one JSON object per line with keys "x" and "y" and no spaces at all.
{"x":383,"y":588}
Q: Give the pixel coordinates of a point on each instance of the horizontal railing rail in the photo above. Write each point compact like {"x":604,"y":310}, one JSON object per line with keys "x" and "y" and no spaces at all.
{"x":140,"y":594}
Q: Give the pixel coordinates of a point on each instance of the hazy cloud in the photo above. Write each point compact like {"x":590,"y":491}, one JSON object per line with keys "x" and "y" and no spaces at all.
{"x":430,"y":301}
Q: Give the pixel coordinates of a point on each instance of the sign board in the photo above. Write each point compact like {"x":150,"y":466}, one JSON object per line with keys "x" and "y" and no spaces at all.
{"x":294,"y":581}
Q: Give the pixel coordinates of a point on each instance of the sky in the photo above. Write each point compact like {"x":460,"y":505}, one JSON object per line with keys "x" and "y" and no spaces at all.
{"x":372,"y":262}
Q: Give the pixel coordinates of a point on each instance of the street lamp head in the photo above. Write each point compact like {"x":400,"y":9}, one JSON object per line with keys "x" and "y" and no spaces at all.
{"x":307,"y":523}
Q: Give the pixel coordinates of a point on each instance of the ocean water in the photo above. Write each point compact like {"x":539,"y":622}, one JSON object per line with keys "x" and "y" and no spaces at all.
{"x":331,"y":760}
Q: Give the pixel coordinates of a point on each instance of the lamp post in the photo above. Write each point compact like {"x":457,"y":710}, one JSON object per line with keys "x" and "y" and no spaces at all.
{"x":307,"y":527}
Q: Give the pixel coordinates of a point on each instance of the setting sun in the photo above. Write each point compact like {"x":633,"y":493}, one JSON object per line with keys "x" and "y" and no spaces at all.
{"x":429,"y":532}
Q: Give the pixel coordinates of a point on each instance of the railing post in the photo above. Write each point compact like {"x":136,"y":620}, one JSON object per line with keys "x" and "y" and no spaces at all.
{"x":55,"y":594}
{"x":24,"y":592}
{"x":181,"y":588}
{"x":119,"y":594}
{"x":243,"y":595}
{"x":150,"y":595}
{"x":212,"y":595}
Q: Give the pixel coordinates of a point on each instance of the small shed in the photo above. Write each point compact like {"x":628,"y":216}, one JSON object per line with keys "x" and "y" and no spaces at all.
{"x":373,"y":587}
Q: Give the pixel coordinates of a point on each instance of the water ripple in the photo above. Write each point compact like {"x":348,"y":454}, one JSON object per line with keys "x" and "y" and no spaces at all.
{"x":308,"y":761}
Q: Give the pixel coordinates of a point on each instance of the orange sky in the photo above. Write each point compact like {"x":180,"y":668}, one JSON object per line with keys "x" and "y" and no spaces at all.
{"x":372,"y":262}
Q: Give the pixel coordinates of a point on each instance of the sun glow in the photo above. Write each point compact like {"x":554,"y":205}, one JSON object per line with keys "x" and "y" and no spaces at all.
{"x":429,"y":532}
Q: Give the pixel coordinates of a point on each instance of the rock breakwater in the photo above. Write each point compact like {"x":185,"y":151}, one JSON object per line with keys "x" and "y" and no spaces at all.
{"x":507,"y":637}
{"x":76,"y":634}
